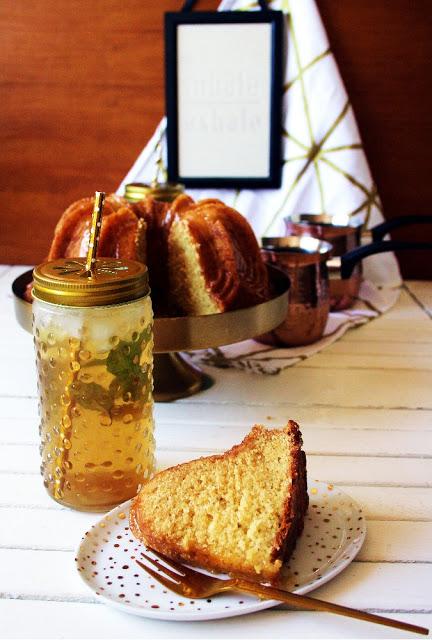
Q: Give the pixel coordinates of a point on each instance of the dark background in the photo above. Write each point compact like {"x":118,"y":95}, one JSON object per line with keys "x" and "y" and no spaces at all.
{"x":82,"y":86}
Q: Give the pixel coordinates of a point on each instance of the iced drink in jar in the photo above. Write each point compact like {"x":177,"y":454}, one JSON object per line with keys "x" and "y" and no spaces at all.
{"x":93,"y":341}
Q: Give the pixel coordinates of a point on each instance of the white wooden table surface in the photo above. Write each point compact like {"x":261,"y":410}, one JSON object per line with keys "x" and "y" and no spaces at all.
{"x":365,"y":410}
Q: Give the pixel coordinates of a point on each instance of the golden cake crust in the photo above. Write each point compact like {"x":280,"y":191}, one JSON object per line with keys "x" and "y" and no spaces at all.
{"x":122,"y":234}
{"x":227,"y":250}
{"x":291,"y":518}
{"x":227,"y":253}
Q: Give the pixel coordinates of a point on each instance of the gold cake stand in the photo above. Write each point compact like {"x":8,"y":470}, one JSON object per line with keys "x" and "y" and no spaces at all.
{"x":174,"y":376}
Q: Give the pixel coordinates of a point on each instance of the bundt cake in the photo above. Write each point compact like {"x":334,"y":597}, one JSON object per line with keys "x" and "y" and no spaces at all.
{"x":240,"y":512}
{"x":202,"y":257}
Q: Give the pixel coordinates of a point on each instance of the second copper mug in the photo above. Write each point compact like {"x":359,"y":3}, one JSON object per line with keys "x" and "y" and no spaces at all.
{"x":343,"y":238}
{"x":304,"y":259}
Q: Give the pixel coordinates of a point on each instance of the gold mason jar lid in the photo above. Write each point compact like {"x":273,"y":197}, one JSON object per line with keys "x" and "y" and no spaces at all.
{"x":163,"y":191}
{"x":67,"y":282}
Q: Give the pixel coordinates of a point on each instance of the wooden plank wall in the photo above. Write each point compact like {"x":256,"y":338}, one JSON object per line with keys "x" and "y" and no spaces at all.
{"x":81,"y":87}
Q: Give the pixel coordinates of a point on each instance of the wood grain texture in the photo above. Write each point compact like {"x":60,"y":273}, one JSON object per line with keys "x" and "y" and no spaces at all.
{"x":384,"y":53}
{"x":109,"y":623}
{"x":369,"y":435}
{"x":358,"y":586}
{"x":82,"y":85}
{"x":82,"y":90}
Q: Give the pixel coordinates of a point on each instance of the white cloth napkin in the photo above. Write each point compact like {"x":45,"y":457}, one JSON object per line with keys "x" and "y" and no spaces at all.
{"x":254,"y":357}
{"x":325,"y":170}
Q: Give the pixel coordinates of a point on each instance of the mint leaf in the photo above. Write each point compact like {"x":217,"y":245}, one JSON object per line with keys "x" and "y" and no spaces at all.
{"x":92,"y":396}
{"x":124,"y":363}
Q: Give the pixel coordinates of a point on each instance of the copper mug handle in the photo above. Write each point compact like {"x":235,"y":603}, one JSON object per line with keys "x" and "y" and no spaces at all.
{"x":350,"y":259}
{"x":382,"y":229}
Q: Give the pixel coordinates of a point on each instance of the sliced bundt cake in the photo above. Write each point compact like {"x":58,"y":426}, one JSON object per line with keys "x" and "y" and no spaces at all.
{"x":214,"y":259}
{"x":202,"y":257}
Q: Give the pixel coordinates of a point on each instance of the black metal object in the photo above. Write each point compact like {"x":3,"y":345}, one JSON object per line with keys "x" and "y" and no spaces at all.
{"x":382,"y":229}
{"x":189,"y":4}
{"x":350,"y":259}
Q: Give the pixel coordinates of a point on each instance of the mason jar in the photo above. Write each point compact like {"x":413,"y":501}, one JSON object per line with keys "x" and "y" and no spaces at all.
{"x":93,"y":339}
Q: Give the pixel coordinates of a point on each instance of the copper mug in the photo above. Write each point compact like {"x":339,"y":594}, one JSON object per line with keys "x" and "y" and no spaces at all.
{"x":345,"y":270}
{"x":344,"y":238}
{"x":304,"y":260}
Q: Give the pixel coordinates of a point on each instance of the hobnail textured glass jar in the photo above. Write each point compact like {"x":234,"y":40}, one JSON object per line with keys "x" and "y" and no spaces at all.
{"x":95,"y":383}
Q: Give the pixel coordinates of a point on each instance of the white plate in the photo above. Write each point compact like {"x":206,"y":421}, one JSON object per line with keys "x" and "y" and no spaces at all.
{"x":333,"y":534}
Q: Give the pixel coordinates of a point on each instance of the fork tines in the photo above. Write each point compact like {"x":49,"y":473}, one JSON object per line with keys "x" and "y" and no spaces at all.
{"x":170,"y":584}
{"x":173,"y":580}
{"x":164,"y":569}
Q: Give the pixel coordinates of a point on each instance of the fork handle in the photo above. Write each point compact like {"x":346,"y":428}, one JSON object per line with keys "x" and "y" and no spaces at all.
{"x":313,"y":604}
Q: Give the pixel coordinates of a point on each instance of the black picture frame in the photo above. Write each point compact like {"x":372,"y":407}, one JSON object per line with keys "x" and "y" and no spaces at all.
{"x":272,"y":176}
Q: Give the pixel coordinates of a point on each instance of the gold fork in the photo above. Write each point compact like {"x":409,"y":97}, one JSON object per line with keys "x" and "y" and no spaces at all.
{"x":193,"y":584}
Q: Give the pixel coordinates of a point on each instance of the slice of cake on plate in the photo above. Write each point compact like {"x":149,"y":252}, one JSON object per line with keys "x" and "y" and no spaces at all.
{"x":240,"y":512}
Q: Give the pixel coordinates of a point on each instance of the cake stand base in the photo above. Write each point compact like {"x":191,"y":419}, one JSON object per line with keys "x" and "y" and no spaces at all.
{"x":175,"y":377}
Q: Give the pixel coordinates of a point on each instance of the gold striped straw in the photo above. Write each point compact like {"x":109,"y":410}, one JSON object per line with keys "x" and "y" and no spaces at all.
{"x":62,"y":462}
{"x":95,"y":230}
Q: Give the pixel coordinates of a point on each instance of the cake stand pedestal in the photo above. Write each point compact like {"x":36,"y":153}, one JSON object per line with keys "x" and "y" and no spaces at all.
{"x":174,"y":376}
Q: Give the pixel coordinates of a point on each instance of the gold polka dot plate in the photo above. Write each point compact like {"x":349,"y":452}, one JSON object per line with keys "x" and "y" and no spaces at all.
{"x":333,"y":534}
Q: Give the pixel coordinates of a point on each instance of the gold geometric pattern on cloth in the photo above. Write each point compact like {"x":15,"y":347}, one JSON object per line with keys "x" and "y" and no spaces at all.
{"x":312,"y":151}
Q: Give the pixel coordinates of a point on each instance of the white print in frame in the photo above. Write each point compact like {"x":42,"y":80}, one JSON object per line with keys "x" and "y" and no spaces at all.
{"x":224,"y":98}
